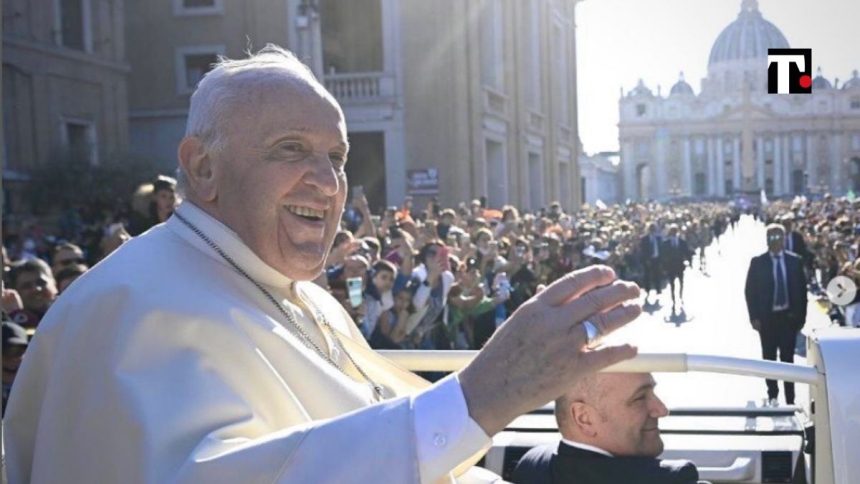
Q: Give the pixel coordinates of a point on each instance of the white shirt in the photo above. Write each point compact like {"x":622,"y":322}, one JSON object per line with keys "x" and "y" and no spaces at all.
{"x":162,"y":364}
{"x":590,"y":448}
{"x":780,"y":258}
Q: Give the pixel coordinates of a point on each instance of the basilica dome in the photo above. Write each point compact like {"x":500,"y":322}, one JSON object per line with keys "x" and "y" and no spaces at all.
{"x":820,"y":82}
{"x":681,"y":87}
{"x":641,"y":90}
{"x":748,"y":37}
{"x":854,"y":82}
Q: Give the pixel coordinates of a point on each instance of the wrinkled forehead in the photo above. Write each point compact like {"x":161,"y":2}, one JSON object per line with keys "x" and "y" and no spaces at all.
{"x":282,"y":102}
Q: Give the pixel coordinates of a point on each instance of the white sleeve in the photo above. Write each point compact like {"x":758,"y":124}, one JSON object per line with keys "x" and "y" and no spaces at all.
{"x":445,"y":434}
{"x":422,"y":295}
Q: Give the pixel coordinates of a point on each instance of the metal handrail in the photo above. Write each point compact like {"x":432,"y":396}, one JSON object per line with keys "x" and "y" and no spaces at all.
{"x":453,"y":360}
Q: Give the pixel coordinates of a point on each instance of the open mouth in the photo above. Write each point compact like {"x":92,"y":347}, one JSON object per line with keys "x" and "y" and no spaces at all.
{"x":307,"y":213}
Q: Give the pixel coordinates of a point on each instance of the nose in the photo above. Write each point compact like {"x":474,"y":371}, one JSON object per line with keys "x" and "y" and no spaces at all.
{"x":658,"y":408}
{"x":323,"y":176}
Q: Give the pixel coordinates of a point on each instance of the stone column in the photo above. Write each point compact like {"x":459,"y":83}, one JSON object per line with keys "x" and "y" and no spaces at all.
{"x":736,"y":165}
{"x":777,"y":163}
{"x":811,"y":163}
{"x":760,"y":162}
{"x":628,"y":165}
{"x":395,"y":167}
{"x":688,"y":169}
{"x":711,"y":170}
{"x":304,"y":34}
{"x":836,"y":183}
{"x":721,"y":167}
{"x":788,"y":164}
{"x":660,"y":173}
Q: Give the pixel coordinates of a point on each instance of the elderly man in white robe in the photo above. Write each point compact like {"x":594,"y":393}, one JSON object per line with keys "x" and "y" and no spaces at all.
{"x":199,"y":352}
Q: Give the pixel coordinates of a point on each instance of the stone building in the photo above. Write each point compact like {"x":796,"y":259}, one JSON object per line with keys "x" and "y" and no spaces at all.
{"x":600,"y":177}
{"x":733,"y":137}
{"x":64,"y":85}
{"x":450,"y":98}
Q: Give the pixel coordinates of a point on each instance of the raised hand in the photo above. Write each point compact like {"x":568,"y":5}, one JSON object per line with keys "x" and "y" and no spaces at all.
{"x":540,"y":352}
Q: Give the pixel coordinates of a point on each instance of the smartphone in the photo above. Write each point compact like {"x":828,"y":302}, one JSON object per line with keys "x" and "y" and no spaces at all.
{"x":353,"y":287}
{"x":357,"y":192}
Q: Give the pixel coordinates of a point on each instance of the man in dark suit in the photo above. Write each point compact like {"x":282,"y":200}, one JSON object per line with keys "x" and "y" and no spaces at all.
{"x":776,"y":300}
{"x":675,"y":254}
{"x":649,"y":250}
{"x":608,"y":424}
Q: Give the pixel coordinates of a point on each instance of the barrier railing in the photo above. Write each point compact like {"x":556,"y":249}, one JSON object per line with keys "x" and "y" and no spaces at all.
{"x":359,"y":86}
{"x":453,"y":360}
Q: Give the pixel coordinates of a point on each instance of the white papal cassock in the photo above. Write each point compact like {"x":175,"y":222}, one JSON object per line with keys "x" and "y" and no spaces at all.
{"x":162,"y":364}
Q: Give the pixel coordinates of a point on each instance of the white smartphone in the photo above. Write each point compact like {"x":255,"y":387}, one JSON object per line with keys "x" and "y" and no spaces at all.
{"x":353,"y":287}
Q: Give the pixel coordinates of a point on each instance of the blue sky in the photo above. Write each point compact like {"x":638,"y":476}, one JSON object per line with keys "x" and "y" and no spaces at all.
{"x":619,"y":41}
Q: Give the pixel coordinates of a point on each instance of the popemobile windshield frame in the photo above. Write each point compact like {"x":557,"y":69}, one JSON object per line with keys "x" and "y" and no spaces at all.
{"x":833,"y":376}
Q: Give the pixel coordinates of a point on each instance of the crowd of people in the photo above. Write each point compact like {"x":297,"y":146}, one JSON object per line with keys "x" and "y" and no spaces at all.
{"x":446,"y":277}
{"x":440,"y":278}
{"x":826,"y":234}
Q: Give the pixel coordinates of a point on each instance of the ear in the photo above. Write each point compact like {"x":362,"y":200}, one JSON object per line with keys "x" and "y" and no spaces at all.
{"x":197,"y":165}
{"x":583,"y":418}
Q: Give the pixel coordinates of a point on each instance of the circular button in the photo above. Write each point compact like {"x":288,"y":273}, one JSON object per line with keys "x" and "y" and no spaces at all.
{"x":439,"y":440}
{"x":841,"y":290}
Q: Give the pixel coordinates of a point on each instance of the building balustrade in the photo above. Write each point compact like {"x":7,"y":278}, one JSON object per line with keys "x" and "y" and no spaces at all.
{"x":360,"y":86}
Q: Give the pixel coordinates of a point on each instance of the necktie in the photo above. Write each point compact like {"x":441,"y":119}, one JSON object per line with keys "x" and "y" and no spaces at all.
{"x":781,"y":296}
{"x":654,"y":253}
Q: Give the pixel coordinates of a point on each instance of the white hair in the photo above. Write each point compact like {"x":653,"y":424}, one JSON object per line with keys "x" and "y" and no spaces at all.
{"x":230,"y":82}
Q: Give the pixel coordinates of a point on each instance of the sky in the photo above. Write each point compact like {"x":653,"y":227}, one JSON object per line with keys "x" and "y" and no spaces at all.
{"x":621,"y":41}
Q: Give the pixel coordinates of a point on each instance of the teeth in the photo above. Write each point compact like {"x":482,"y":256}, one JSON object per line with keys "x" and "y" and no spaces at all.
{"x":306,"y":212}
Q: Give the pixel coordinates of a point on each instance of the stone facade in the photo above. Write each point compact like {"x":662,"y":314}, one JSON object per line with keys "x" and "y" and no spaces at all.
{"x":64,"y":84}
{"x":480,"y":93}
{"x":600,"y":177}
{"x":734,"y":138}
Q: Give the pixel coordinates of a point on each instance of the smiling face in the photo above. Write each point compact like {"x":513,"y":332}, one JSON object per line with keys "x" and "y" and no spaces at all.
{"x":618,"y":414}
{"x":37,"y":289}
{"x":279,"y":181}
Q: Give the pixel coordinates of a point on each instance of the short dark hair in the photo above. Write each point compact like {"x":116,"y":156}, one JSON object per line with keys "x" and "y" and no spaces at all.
{"x":67,"y":246}
{"x":422,"y":254}
{"x":163,"y":182}
{"x":341,"y":236}
{"x":73,"y":271}
{"x":384,"y":265}
{"x":37,"y":266}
